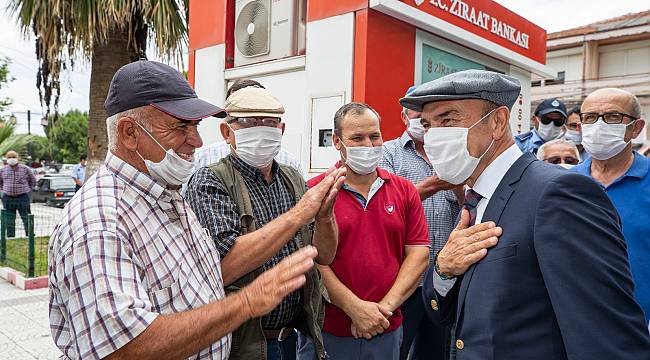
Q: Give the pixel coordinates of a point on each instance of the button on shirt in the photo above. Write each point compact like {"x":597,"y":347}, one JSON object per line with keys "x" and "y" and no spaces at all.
{"x":485,"y":185}
{"x":126,"y":250}
{"x":16,"y":180}
{"x":218,"y":212}
{"x":630,"y":194}
{"x":441,"y":210}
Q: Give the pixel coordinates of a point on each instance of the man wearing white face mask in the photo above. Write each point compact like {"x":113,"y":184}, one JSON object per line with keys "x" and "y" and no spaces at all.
{"x":405,"y":157}
{"x":133,"y":275}
{"x":574,"y":132}
{"x":259,"y":213}
{"x":549,"y":120}
{"x":383,"y":245}
{"x":552,"y":262}
{"x":611,"y":118}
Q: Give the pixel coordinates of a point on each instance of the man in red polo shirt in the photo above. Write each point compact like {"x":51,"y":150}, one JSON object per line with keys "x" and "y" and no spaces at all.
{"x":383,"y":245}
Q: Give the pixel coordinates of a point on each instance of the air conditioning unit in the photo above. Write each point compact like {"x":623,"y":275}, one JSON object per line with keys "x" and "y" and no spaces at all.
{"x":267,"y":30}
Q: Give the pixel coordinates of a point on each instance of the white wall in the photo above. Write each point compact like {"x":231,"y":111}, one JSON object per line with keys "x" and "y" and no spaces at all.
{"x":520,"y":114}
{"x":209,"y":85}
{"x":330,"y":60}
{"x":569,"y":60}
{"x":624,"y":59}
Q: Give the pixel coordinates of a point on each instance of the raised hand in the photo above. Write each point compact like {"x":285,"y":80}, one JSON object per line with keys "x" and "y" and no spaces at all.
{"x":265,"y":293}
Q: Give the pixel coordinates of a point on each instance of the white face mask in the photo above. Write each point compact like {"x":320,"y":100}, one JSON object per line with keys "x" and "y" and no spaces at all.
{"x":549,"y":131}
{"x":604,"y":141}
{"x":573,"y":135}
{"x":171,"y":170}
{"x":416,"y":130}
{"x":566,"y":166}
{"x":446,"y":148}
{"x":12,"y":161}
{"x":258,"y":145}
{"x":362,"y":159}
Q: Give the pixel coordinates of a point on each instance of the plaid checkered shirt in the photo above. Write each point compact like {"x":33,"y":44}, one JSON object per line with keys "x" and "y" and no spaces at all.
{"x":441,"y":210}
{"x":126,"y":250}
{"x":217,"y":211}
{"x":17,"y":180}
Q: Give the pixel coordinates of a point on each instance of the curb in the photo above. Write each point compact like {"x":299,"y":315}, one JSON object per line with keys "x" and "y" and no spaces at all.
{"x":19,"y":280}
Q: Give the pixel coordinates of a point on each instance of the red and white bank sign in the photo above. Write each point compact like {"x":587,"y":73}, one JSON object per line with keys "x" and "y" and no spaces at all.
{"x":490,"y":21}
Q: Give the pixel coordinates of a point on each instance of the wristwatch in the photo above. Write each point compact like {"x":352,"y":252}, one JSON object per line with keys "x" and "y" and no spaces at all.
{"x":436,"y":268}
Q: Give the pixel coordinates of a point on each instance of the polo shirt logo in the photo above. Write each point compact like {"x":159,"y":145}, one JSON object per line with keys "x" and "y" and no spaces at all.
{"x":389,"y":208}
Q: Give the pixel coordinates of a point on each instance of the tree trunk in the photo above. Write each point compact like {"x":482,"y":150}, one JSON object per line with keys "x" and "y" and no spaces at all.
{"x":107,"y":58}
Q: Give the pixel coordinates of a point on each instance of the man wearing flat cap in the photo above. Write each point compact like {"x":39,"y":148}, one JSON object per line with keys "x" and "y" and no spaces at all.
{"x":132,"y":274}
{"x":258,"y":214}
{"x":547,"y":276}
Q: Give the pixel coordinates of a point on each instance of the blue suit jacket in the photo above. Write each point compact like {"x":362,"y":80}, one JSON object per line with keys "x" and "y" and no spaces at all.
{"x":557,"y":285}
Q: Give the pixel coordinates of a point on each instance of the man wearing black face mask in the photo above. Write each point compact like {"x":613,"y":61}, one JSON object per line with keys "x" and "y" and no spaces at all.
{"x":258,"y":213}
{"x":553,"y":280}
{"x":549,"y":120}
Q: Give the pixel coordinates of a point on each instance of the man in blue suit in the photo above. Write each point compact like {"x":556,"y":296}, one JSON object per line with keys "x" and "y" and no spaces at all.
{"x":556,"y":284}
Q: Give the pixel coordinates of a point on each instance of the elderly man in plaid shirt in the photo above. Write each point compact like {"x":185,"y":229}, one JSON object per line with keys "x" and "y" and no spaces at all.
{"x":132,"y":274}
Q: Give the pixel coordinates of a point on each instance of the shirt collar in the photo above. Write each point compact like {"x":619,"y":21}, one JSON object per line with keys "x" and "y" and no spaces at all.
{"x":639,"y":169}
{"x":406,"y":140}
{"x":253,"y":172}
{"x":489,"y":180}
{"x":536,"y":138}
{"x":140,"y":181}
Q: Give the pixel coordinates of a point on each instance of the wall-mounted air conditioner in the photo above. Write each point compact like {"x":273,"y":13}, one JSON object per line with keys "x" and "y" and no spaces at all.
{"x":267,"y":30}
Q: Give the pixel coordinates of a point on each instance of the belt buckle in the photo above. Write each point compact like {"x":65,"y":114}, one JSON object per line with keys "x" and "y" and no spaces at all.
{"x":281,"y":333}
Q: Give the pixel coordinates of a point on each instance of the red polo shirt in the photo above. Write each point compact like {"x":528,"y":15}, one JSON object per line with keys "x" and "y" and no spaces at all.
{"x":372,"y":242}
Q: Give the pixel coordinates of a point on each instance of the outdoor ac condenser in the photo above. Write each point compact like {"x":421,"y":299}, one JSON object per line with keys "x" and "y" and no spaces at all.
{"x":266,"y":30}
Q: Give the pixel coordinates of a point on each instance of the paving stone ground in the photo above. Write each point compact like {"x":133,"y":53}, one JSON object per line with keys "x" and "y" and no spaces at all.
{"x":24,"y":326}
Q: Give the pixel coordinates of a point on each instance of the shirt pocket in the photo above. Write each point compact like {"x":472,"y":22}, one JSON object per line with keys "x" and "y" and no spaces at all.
{"x":185,"y":293}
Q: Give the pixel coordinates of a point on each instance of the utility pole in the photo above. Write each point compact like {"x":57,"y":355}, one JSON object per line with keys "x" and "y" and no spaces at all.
{"x":29,"y":122}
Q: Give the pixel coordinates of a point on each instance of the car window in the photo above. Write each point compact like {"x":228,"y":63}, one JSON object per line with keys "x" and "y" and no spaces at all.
{"x":62,"y":183}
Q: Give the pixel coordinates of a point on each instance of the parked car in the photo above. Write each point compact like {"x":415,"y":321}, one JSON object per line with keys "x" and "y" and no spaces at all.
{"x":66,"y":169}
{"x":54,"y":190}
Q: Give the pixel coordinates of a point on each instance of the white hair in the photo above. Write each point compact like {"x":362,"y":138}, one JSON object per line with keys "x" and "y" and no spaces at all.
{"x":542,"y":150}
{"x":140,"y":114}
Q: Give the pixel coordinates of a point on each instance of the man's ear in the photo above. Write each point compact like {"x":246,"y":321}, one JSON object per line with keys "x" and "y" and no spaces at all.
{"x":127,"y":133}
{"x":225,"y":131}
{"x":501,"y":123}
{"x":336,"y":140}
{"x":637,"y":128}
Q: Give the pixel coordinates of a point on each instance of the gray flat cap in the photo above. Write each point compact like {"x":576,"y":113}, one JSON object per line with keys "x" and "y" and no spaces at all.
{"x":500,"y":89}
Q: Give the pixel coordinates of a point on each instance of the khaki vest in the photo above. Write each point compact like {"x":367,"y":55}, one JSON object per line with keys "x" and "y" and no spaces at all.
{"x":248,"y":342}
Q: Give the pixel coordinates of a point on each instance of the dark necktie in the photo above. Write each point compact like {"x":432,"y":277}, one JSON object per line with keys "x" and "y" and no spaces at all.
{"x":471,"y":202}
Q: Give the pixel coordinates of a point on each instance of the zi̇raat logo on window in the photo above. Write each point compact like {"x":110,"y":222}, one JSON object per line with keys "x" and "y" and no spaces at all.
{"x":482,"y":19}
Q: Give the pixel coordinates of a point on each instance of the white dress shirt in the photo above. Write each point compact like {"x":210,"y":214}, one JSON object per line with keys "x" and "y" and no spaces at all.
{"x":485,"y":185}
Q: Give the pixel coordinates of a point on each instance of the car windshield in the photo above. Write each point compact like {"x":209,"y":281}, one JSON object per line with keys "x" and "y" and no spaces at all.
{"x":62,"y":183}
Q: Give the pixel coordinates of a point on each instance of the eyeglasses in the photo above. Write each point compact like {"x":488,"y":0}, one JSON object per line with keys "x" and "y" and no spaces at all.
{"x":557,"y":122}
{"x":247,"y":122}
{"x":572,"y":126}
{"x":562,"y":160}
{"x":613,"y":117}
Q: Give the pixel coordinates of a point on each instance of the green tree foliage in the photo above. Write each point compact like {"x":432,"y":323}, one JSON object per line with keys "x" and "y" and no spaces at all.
{"x":67,"y":137}
{"x":5,"y":78}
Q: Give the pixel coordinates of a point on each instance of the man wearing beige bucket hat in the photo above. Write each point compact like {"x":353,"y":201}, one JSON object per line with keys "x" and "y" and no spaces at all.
{"x":259,"y":212}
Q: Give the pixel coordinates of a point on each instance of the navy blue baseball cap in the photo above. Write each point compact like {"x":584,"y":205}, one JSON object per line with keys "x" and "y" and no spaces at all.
{"x":144,"y":82}
{"x":550,"y":105}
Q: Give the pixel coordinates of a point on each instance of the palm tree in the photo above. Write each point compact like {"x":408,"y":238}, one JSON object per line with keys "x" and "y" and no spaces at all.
{"x":110,"y":33}
{"x":11,"y":141}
